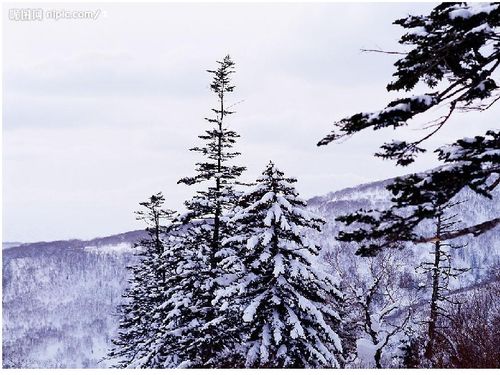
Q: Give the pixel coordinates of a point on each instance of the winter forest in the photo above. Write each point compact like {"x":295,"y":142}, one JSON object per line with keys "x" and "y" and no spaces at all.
{"x":249,"y":274}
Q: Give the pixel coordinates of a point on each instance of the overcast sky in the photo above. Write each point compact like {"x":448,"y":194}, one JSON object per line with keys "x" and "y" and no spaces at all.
{"x":100,"y":114}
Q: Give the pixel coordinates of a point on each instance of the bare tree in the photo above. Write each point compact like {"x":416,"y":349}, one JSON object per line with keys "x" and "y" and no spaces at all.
{"x":380,"y":305}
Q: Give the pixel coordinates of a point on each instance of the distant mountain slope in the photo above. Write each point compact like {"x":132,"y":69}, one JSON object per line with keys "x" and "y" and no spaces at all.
{"x":59,"y":298}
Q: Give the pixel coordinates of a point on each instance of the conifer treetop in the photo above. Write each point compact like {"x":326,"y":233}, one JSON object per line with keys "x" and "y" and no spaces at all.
{"x":217,"y":152}
{"x":221,"y":82}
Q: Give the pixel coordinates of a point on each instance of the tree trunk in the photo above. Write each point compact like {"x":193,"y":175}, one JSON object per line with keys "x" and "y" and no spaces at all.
{"x":373,"y":335}
{"x":216,"y":237}
{"x":429,"y":350}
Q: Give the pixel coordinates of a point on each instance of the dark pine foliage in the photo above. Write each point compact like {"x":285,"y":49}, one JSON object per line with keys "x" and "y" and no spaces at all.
{"x":139,"y":323}
{"x":217,"y":152}
{"x":455,"y":51}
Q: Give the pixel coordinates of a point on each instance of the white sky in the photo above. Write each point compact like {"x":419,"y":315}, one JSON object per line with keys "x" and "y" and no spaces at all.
{"x":98,"y":115}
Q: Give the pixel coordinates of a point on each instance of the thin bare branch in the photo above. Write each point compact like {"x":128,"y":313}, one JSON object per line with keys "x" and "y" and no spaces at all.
{"x":382,"y":51}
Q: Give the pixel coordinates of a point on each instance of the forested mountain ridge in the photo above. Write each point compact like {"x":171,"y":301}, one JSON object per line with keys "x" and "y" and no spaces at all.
{"x":59,"y":299}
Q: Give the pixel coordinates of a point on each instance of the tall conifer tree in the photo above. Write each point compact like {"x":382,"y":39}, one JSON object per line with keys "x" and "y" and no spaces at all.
{"x":139,"y":323}
{"x":205,"y":341}
{"x":287,"y":304}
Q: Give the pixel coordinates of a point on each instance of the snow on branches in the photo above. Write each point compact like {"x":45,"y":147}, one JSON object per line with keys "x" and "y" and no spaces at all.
{"x":455,"y":48}
{"x":470,"y":162}
{"x":287,"y":303}
{"x":455,"y":51}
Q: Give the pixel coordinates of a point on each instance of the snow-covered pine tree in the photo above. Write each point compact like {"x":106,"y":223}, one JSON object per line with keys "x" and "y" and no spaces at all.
{"x":455,"y":52}
{"x":287,"y":304}
{"x":205,"y":337}
{"x":139,"y":323}
{"x":183,"y":313}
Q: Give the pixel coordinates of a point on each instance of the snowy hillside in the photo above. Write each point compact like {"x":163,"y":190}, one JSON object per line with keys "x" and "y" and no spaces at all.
{"x":59,"y":298}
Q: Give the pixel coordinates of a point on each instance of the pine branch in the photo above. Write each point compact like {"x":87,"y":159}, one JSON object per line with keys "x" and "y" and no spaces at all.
{"x":475,"y":230}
